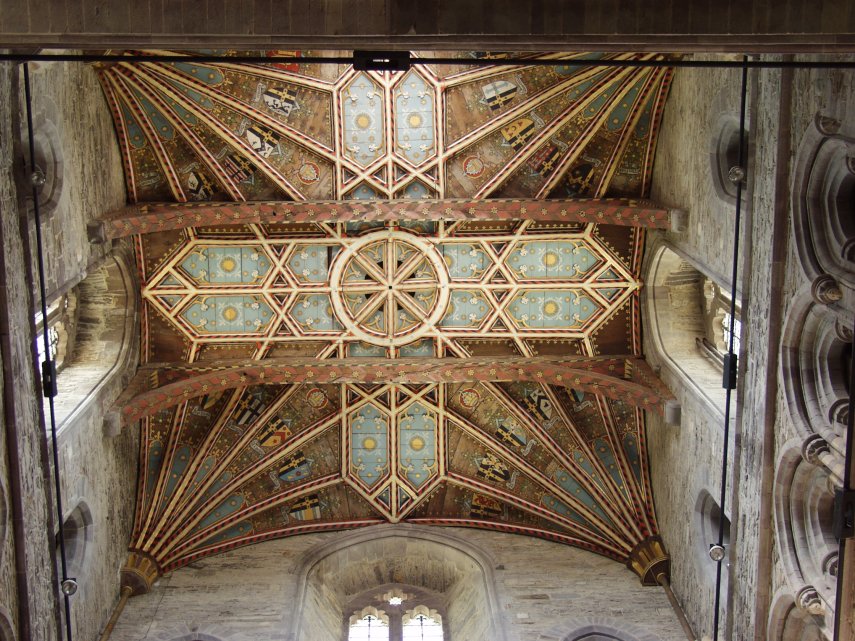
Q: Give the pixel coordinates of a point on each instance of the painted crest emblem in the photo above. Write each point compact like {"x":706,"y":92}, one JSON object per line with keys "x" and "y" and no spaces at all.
{"x":469,"y":397}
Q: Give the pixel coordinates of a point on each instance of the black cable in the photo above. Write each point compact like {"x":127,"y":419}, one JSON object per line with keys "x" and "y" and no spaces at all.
{"x":730,"y":355}
{"x":49,"y":364}
{"x":469,"y":62}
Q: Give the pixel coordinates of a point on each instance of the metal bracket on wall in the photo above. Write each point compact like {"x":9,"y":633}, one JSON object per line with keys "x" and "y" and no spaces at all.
{"x":381,"y":60}
{"x":728,"y":380}
{"x":843,"y":525}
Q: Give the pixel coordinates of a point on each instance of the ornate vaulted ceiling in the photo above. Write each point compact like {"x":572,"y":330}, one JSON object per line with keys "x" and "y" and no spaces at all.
{"x":230,"y":462}
{"x":302,"y":131}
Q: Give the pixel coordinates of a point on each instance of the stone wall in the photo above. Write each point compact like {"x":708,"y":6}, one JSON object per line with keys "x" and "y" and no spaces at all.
{"x":814,"y":93}
{"x":27,"y":566}
{"x":98,"y":473}
{"x":685,"y":460}
{"x":682,"y":176}
{"x":434,"y":23}
{"x":76,"y":144}
{"x":773,"y":283}
{"x":545,"y":591}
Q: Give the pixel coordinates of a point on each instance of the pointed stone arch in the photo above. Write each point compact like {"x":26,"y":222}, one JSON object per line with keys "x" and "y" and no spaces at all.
{"x":106,"y":341}
{"x":416,"y":555}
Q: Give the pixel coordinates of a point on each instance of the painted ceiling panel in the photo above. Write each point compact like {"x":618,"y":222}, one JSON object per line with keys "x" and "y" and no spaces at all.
{"x":295,"y":131}
{"x":264,"y":461}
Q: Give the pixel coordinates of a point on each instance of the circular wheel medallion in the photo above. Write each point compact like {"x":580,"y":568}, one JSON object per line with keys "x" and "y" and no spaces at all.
{"x":389,"y":288}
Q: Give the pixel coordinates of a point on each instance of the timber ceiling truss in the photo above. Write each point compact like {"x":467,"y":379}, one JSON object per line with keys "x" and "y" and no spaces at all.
{"x":453,"y":365}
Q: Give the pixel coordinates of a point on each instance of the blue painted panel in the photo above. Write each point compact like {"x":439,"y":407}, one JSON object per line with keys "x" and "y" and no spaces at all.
{"x":417,"y":444}
{"x":366,"y":350}
{"x":155,"y":460}
{"x":416,"y":191}
{"x":369,"y":444}
{"x":552,"y":309}
{"x":223,"y":265}
{"x":228,"y":315}
{"x":313,"y":312}
{"x":552,"y":260}
{"x":414,"y":127}
{"x":552,"y":503}
{"x":572,"y":487}
{"x":586,"y":465}
{"x":222,"y":479}
{"x":364,"y":130}
{"x":233,"y":532}
{"x":570,"y":69}
{"x":195,"y":96}
{"x":135,"y":133}
{"x":466,"y":308}
{"x":310,"y":263}
{"x":208,"y":75}
{"x":630,"y":446}
{"x":179,"y":464}
{"x":228,"y":507}
{"x":201,"y":473}
{"x":423,"y":348}
{"x":607,"y":457}
{"x":363,"y":192}
{"x":159,"y":122}
{"x":465,"y":260}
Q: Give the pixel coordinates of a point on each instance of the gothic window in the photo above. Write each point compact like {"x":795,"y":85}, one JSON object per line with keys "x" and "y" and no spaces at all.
{"x":715,"y":340}
{"x":60,"y":328}
{"x":689,"y":321}
{"x":391,"y":616}
{"x":737,"y":331}
{"x":422,"y":624}
{"x":370,"y":624}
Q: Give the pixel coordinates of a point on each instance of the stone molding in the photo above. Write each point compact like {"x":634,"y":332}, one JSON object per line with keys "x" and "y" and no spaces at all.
{"x":480,"y":557}
{"x":802,"y":519}
{"x":603,"y":625}
{"x":810,"y":373}
{"x":823,"y":175}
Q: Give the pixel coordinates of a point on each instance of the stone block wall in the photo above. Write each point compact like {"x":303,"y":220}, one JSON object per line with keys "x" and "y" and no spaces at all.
{"x":545,"y":591}
{"x":98,"y":473}
{"x":26,"y":563}
{"x":773,"y":281}
{"x":77,"y":145}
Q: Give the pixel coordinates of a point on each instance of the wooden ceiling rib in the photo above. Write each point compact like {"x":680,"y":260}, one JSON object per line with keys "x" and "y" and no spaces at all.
{"x":395,"y":325}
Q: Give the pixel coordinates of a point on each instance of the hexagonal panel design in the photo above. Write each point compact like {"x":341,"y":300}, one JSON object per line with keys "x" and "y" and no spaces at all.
{"x":465,"y":260}
{"x":417,"y":445}
{"x":570,"y":260}
{"x":310,"y":263}
{"x":226,"y":265}
{"x":314,"y":313}
{"x":415,"y":131}
{"x":551,"y":309}
{"x":363,"y":126}
{"x":369,"y":445}
{"x":225,"y":314}
{"x":467,"y":309}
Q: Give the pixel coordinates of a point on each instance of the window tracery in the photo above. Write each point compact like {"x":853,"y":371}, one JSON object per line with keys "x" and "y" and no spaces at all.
{"x":715,"y":341}
{"x":419,"y":623}
{"x":370,"y":624}
{"x":60,"y":327}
